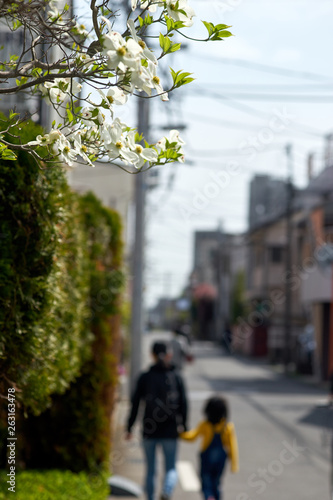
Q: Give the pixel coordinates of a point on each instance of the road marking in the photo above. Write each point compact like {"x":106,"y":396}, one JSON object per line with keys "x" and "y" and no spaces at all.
{"x":188,"y":478}
{"x":199,"y":395}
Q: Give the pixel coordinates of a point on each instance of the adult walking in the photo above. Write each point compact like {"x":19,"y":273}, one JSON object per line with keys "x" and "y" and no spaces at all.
{"x":161,"y":390}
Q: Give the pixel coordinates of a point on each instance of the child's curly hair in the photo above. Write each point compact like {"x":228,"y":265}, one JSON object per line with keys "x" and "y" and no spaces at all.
{"x":216,"y":409}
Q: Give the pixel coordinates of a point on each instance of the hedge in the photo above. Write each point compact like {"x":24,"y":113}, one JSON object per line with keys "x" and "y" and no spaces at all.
{"x":61,"y":277}
{"x":44,"y":281}
{"x":55,"y":485}
{"x":75,"y":432}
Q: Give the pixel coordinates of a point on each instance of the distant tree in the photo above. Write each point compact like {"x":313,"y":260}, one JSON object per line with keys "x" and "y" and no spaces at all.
{"x":238,"y":303}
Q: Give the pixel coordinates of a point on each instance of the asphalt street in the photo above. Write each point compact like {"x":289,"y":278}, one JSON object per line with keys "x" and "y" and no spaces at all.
{"x":281,"y":423}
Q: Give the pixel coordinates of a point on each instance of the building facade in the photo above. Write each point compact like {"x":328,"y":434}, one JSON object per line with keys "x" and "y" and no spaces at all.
{"x":218,"y":259}
{"x":289,"y":276}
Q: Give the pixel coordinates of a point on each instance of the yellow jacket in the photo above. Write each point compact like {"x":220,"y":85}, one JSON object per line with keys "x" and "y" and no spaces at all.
{"x":207,"y":430}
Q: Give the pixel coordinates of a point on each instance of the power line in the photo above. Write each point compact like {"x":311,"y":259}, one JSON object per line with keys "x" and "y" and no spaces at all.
{"x":254,"y":112}
{"x":233,"y":152}
{"x":222,"y":122}
{"x":239,"y":125}
{"x":307,"y":75}
{"x":308,"y":98}
{"x":269,"y":86}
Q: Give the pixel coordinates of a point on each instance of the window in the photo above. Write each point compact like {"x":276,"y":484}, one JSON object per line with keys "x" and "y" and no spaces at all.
{"x":276,"y":254}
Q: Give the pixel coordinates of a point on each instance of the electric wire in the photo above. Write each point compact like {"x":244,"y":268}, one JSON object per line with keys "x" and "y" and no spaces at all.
{"x":267,"y":68}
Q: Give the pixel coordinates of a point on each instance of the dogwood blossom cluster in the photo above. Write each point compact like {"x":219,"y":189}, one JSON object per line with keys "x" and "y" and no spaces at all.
{"x":116,"y":66}
{"x":130,"y":59}
{"x":115,"y":139}
{"x":178,"y":10}
{"x":57,"y":15}
{"x":60,"y":90}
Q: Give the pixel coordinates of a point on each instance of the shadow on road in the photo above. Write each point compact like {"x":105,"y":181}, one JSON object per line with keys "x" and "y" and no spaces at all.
{"x":272,"y":382}
{"x":319,"y":416}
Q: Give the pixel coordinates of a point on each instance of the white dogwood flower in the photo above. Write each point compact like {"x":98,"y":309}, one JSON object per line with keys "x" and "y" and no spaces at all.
{"x":139,"y":79}
{"x":85,"y":60}
{"x":176,"y":143}
{"x":111,"y":133}
{"x":140,"y":154}
{"x":151,"y":5}
{"x":79,"y":148}
{"x":115,"y":150}
{"x":120,"y":53}
{"x":125,"y":55}
{"x":44,"y":140}
{"x":179,"y":10}
{"x":114,"y":95}
{"x":64,"y":150}
{"x":60,"y":90}
{"x":146,"y":52}
{"x":80,"y":29}
{"x":155,"y":82}
{"x":53,"y":14}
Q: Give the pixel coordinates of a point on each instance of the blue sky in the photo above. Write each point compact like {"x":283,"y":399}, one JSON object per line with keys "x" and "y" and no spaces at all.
{"x":279,"y":48}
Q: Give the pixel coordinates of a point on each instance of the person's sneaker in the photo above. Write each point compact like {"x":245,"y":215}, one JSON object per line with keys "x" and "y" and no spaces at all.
{"x":164,"y":496}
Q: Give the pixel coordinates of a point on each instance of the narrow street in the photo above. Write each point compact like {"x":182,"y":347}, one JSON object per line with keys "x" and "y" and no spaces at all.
{"x":284,"y":446}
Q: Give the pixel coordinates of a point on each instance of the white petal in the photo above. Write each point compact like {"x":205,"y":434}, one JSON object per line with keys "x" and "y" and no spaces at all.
{"x":149,"y":154}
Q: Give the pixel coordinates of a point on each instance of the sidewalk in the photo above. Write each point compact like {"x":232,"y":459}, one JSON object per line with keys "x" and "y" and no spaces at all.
{"x":126,"y":456}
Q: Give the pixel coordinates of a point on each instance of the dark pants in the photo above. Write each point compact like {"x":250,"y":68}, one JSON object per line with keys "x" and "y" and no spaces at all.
{"x":169,"y":447}
{"x":212,"y":465}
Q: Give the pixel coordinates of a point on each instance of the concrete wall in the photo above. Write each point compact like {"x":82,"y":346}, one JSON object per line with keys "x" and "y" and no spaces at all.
{"x":113,"y":186}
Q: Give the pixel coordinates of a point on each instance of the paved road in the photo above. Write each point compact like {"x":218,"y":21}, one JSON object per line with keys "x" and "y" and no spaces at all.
{"x":283,"y":444}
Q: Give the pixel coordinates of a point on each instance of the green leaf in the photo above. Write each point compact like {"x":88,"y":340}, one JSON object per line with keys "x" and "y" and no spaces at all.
{"x":148,"y":19}
{"x":175,"y":46}
{"x":180,"y":78}
{"x":8,"y":154}
{"x":36,"y":72}
{"x":187,"y":80}
{"x":167,"y":44}
{"x":209,"y":26}
{"x":161,"y":40}
{"x":220,"y":27}
{"x":169,"y":23}
{"x":16,"y":24}
{"x":70,"y":115}
{"x":224,"y":34}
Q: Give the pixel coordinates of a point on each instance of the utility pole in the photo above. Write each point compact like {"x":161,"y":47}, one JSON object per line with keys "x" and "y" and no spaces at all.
{"x":288,"y":260}
{"x":220,"y":297}
{"x":138,"y":254}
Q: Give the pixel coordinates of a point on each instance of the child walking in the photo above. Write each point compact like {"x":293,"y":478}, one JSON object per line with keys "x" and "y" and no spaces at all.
{"x":218,"y":444}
